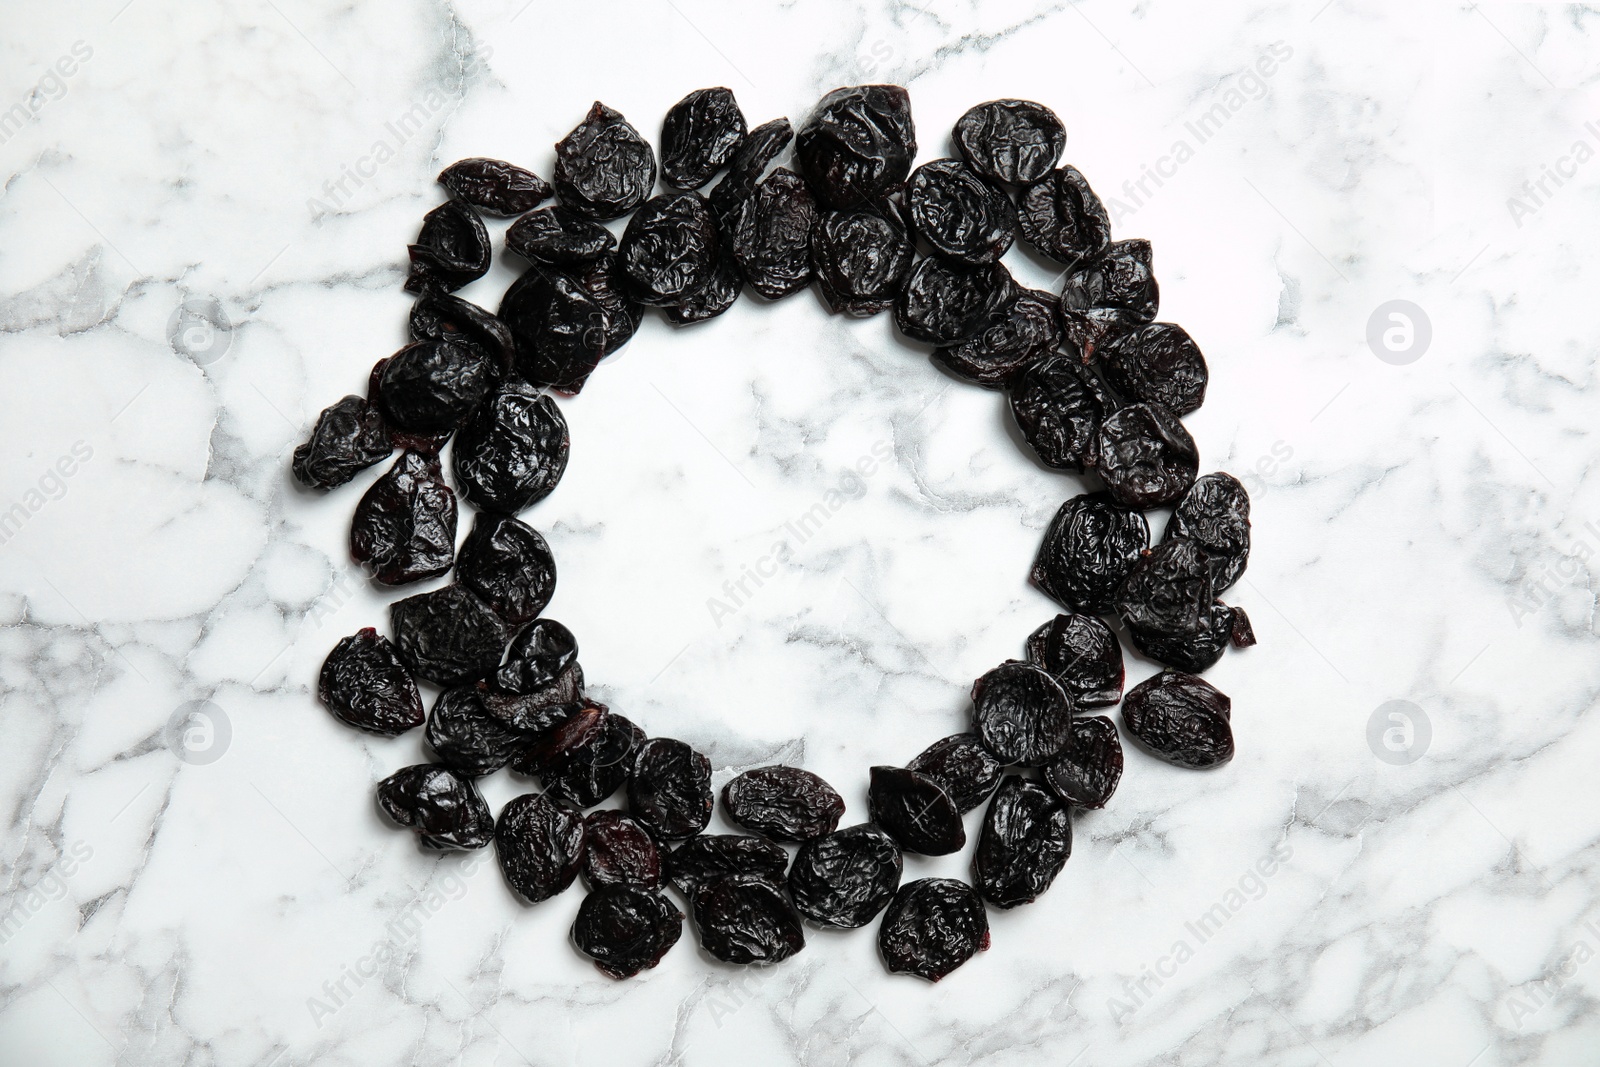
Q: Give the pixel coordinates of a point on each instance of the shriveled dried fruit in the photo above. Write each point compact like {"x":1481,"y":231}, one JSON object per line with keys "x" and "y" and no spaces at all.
{"x":349,"y":437}
{"x":404,"y":528}
{"x":466,"y":736}
{"x":710,"y":856}
{"x":713,"y":298}
{"x":540,"y":846}
{"x":669,"y":790}
{"x":1087,"y":773}
{"x":1121,"y":277}
{"x":586,"y":758}
{"x":451,"y":250}
{"x":441,"y":806}
{"x":494,"y":186}
{"x":744,"y":918}
{"x":618,"y":851}
{"x":845,"y":878}
{"x":443,"y":317}
{"x":604,"y":169}
{"x":366,"y":686}
{"x":559,"y":236}
{"x":861,"y":259}
{"x":537,"y":713}
{"x":857,"y":145}
{"x":1021,"y":713}
{"x":1059,"y":404}
{"x":963,"y":767}
{"x":933,"y":926}
{"x":1089,"y":548}
{"x":748,"y":164}
{"x":946,"y":303}
{"x":1145,"y":456}
{"x":1168,"y":590}
{"x":509,"y":565}
{"x":1061,"y":218}
{"x":916,"y":811}
{"x":625,"y":929}
{"x":1014,"y":141}
{"x":1158,"y":363}
{"x":669,"y":250}
{"x":784,"y":803}
{"x":430,"y":386}
{"x":1025,"y":332}
{"x":447,"y":636}
{"x":959,"y":213}
{"x":1215,"y":514}
{"x":1088,"y":330}
{"x":1181,"y":718}
{"x":511,"y":454}
{"x":769,"y":234}
{"x":1200,"y":650}
{"x":562,"y":331}
{"x":699,"y":136}
{"x":1082,"y":653}
{"x":1026,"y":839}
{"x":540,"y":655}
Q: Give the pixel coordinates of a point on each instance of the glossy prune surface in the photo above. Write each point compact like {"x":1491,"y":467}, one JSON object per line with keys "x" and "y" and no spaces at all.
{"x":466,"y":736}
{"x":364,"y":684}
{"x":404,"y":528}
{"x":744,"y":918}
{"x":1168,"y":591}
{"x":699,"y":136}
{"x":442,"y":807}
{"x":558,"y":236}
{"x":710,"y":856}
{"x":619,"y":851}
{"x":857,"y":145}
{"x":1082,"y":653}
{"x":510,"y":455}
{"x":1012,"y":141}
{"x":1120,"y":278}
{"x":669,"y":789}
{"x":1087,"y":773}
{"x":445,"y":317}
{"x":604,"y":169}
{"x":1024,"y":332}
{"x":1159,"y":363}
{"x":349,"y":436}
{"x":566,"y":320}
{"x":861,"y":259}
{"x":1215,"y":514}
{"x":1198,"y":651}
{"x":783,"y":803}
{"x":1058,"y":404}
{"x":430,"y":386}
{"x":669,"y":250}
{"x":1145,"y":456}
{"x":769,"y":234}
{"x":451,"y":250}
{"x":916,"y":811}
{"x":946,"y":303}
{"x":959,"y":213}
{"x":541,"y":654}
{"x":933,"y":926}
{"x":1181,"y":718}
{"x":494,"y":186}
{"x":447,"y":636}
{"x":508,"y":564}
{"x":625,"y":929}
{"x":759,"y":148}
{"x":963,"y":767}
{"x":1090,"y":546}
{"x":1061,"y":218}
{"x":843,"y":879}
{"x":540,"y":845}
{"x":1026,"y":839}
{"x":586,"y":758}
{"x":1021,"y":714}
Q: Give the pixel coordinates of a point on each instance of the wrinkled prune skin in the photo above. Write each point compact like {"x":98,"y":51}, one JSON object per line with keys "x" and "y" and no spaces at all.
{"x":1026,"y":839}
{"x":441,"y":806}
{"x":1200,"y":650}
{"x":466,"y":736}
{"x":618,"y":851}
{"x":699,"y":136}
{"x":669,"y":789}
{"x":769,"y":234}
{"x":451,"y":250}
{"x":561,"y":330}
{"x":1059,"y":404}
{"x":933,"y":926}
{"x":1011,"y":141}
{"x":1215,"y":514}
{"x":748,"y":164}
{"x":495,"y":187}
{"x":946,"y":303}
{"x":1159,"y":363}
{"x":430,"y":443}
{"x":1026,"y":331}
{"x":857,"y":145}
{"x":540,"y":845}
{"x":1145,"y":456}
{"x":1120,"y":277}
{"x":959,"y":214}
{"x":622,"y":314}
{"x":710,"y":856}
{"x":537,"y":713}
{"x":586,"y":758}
{"x":916,"y":811}
{"x":558,"y":236}
{"x":1181,"y":718}
{"x":625,"y":929}
{"x":845,"y":878}
{"x":1087,"y":773}
{"x":511,"y":454}
{"x":669,"y":250}
{"x":443,"y":317}
{"x":713,"y":298}
{"x":604,"y":169}
{"x":1062,"y":219}
{"x":349,"y":437}
{"x":508,"y":564}
{"x":861,"y":260}
{"x":744,"y":918}
{"x":1021,"y":714}
{"x":1090,"y":547}
{"x":963,"y":767}
{"x":1089,"y":330}
{"x":1168,"y":591}
{"x":366,"y":686}
{"x":1082,"y":653}
{"x":430,"y":386}
{"x":783,"y":803}
{"x":540,"y":655}
{"x":404,"y":529}
{"x":447,"y":636}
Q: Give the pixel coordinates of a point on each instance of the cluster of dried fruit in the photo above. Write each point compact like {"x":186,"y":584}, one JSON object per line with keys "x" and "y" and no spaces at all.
{"x":1094,"y":384}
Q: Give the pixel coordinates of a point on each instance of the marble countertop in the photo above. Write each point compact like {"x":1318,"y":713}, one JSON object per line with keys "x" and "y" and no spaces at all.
{"x":205,"y":210}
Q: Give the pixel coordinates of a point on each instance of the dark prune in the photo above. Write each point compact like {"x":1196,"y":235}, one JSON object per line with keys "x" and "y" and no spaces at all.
{"x":349,"y":437}
{"x":748,"y":164}
{"x":618,"y":851}
{"x":584,"y":759}
{"x":1089,"y":548}
{"x":963,"y":767}
{"x":857,"y":145}
{"x":1023,"y":333}
{"x":443,"y":317}
{"x":710,"y":856}
{"x":784,"y":803}
{"x":933,"y":926}
{"x":1181,"y":718}
{"x":1013,"y":141}
{"x":744,"y":918}
{"x":916,"y":811}
{"x":861,"y":259}
{"x":845,"y":878}
{"x":669,"y":250}
{"x":366,"y":686}
{"x":1087,"y":773}
{"x":769,"y":234}
{"x":1215,"y":514}
{"x":1089,"y":330}
{"x":540,"y":846}
{"x":467,"y":736}
{"x":604,"y":169}
{"x":537,"y":713}
{"x":511,"y":454}
{"x":959,"y":214}
{"x":404,"y":528}
{"x":509,"y":565}
{"x":1240,"y":633}
{"x":1168,"y":590}
{"x":1200,"y":650}
{"x":428,"y":443}
{"x":698,"y":136}
{"x":447,"y":636}
{"x":560,"y":236}
{"x":1059,"y":404}
{"x":1021,"y":713}
{"x":1157,"y":363}
{"x":621,"y":314}
{"x":713,"y":298}
{"x":441,"y":806}
{"x":494,"y":186}
{"x":539,"y":656}
{"x":451,"y":250}
{"x":560,"y":329}
{"x":1120,"y":277}
{"x":1026,"y":839}
{"x":946,"y":303}
{"x":1082,"y":653}
{"x":625,"y":929}
{"x":669,"y":790}
{"x":1145,"y":456}
{"x":430,"y":386}
{"x":1062,"y":219}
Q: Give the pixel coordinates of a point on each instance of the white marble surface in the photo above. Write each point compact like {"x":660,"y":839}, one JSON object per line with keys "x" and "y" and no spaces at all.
{"x":1433,"y":911}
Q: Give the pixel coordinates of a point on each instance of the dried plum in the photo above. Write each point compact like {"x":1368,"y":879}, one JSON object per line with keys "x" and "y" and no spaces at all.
{"x":1200,"y":650}
{"x":625,"y":929}
{"x":1145,"y":456}
{"x":959,"y":214}
{"x":447,"y":636}
{"x":621,"y":314}
{"x":857,"y":145}
{"x":669,"y":250}
{"x":669,"y":790}
{"x":495,"y":187}
{"x":783,"y":803}
{"x":443,"y":317}
{"x":540,"y":655}
{"x":466,"y":736}
{"x":744,"y":918}
{"x":1091,"y":329}
{"x":946,"y":303}
{"x":441,"y":806}
{"x":1089,"y":548}
{"x":769,"y":234}
{"x":604,"y":169}
{"x":1013,"y":141}
{"x":1087,"y":773}
{"x":537,"y":713}
{"x":349,"y":437}
{"x":1157,"y":363}
{"x":618,"y":851}
{"x":586,"y":758}
{"x":559,"y":236}
{"x":404,"y":528}
{"x":916,"y":811}
{"x":710,"y":856}
{"x":1059,"y":404}
{"x":430,"y":386}
{"x":509,"y":566}
{"x":1081,"y":652}
{"x":366,"y":686}
{"x":963,"y":767}
{"x":845,"y":878}
{"x":1021,"y":714}
{"x":511,"y":454}
{"x":1215,"y":514}
{"x":1120,"y":277}
{"x":748,"y":164}
{"x":1180,"y":718}
{"x":1168,"y":591}
{"x":451,"y":250}
{"x":1061,"y":218}
{"x":933,"y":926}
{"x":540,"y":845}
{"x":1026,"y":839}
{"x":861,"y":260}
{"x":1023,"y":333}
{"x":561,"y":330}
{"x":699,"y":136}
{"x":713,"y":298}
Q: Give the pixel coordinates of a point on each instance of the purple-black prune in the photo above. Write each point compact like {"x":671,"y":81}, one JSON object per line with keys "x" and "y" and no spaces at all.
{"x":447,"y":636}
{"x":559,"y":236}
{"x":1087,"y":773}
{"x":540,"y":845}
{"x":669,"y":789}
{"x":1090,"y":546}
{"x":699,"y":136}
{"x":946,"y":303}
{"x":562,"y":331}
{"x":604,"y":169}
{"x":1026,"y":839}
{"x":857,"y":145}
{"x":861,"y":260}
{"x":1168,"y":590}
{"x":466,"y":736}
{"x":916,"y":810}
{"x":963,"y":767}
{"x":1062,"y":219}
{"x":430,"y":386}
{"x":440,"y":805}
{"x":783,"y":803}
{"x":444,"y":317}
{"x":933,"y":926}
{"x":1023,"y":333}
{"x":1158,"y":363}
{"x":451,"y":250}
{"x":1200,"y":650}
{"x":1082,"y":653}
{"x":1119,"y":278}
{"x":494,"y":186}
{"x":540,"y":655}
{"x":404,"y":529}
{"x":959,"y":214}
{"x":769,"y":235}
{"x":364,"y":684}
{"x":744,"y":918}
{"x":618,"y":851}
{"x":1091,"y":329}
{"x":710,"y":856}
{"x":1145,"y":456}
{"x":537,"y":713}
{"x":1022,"y":714}
{"x":584,"y":759}
{"x":713,"y":298}
{"x":845,"y":878}
{"x":1181,"y":718}
{"x":1012,"y":141}
{"x":669,"y":250}
{"x":509,"y":565}
{"x":748,"y":164}
{"x":349,"y":437}
{"x":513,"y":451}
{"x":625,"y":929}
{"x":1215,"y":514}
{"x":1059,"y":404}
